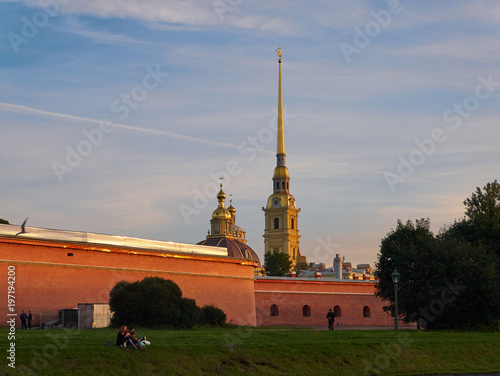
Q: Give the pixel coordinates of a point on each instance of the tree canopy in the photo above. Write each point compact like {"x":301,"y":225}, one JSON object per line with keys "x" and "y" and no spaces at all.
{"x":158,"y":302}
{"x":4,"y":222}
{"x":449,"y":280}
{"x":277,"y":264}
{"x":484,"y":204}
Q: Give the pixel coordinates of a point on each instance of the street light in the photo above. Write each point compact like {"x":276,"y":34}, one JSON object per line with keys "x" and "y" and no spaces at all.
{"x":395,"y":278}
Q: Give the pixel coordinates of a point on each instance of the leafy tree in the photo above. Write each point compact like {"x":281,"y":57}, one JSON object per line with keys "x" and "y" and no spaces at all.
{"x":277,"y":264}
{"x":152,"y":302}
{"x":482,"y":222}
{"x":467,"y":291}
{"x":4,"y":222}
{"x":484,"y":203}
{"x":301,"y":266}
{"x":410,"y":248}
{"x":450,"y":281}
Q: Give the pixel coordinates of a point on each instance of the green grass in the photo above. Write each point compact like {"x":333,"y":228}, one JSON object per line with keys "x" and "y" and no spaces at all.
{"x":254,"y":351}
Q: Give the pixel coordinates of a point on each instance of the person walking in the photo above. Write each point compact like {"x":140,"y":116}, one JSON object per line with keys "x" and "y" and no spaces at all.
{"x":331,"y":319}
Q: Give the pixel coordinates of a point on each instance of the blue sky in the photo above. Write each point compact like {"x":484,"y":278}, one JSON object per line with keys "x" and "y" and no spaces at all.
{"x":392,"y":112}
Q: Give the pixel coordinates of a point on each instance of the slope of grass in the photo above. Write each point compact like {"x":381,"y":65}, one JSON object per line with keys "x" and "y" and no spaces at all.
{"x":254,"y":351}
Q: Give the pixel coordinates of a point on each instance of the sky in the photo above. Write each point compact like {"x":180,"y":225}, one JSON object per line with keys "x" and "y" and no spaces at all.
{"x":118,"y":117}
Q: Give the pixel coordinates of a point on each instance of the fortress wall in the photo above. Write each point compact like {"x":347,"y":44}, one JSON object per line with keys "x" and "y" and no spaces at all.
{"x":290,"y":295}
{"x":48,"y":278}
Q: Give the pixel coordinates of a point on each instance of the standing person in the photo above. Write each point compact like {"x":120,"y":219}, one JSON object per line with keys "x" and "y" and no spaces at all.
{"x":30,"y":317}
{"x":23,"y":317}
{"x":331,"y":319}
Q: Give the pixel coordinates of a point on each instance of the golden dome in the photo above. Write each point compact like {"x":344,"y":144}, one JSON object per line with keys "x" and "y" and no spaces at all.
{"x":281,"y":172}
{"x":221,"y":213}
{"x":221,"y":194}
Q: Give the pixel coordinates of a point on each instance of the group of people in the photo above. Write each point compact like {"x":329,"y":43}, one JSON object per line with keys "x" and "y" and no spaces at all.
{"x":127,"y":338}
{"x":26,"y":319}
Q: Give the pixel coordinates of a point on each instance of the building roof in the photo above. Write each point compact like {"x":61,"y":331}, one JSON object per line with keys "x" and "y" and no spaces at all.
{"x":235,"y":248}
{"x":36,"y":233}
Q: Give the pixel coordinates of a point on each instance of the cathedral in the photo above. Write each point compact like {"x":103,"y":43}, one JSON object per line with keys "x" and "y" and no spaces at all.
{"x":61,"y":270}
{"x":281,"y":229}
{"x":281,"y":233}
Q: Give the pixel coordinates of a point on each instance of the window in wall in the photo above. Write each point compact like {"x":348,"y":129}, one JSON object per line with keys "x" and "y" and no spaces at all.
{"x":277,"y":185}
{"x":276,"y":223}
{"x":276,"y":250}
{"x":293,"y":253}
{"x":366,"y":312}
{"x":217,"y":227}
{"x":337,"y":311}
{"x":274,"y":311}
{"x":306,"y":311}
{"x":283,"y":185}
{"x":293,"y":223}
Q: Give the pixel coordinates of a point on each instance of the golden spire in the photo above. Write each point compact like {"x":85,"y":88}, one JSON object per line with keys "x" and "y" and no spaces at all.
{"x":281,"y":129}
{"x":221,"y":195}
{"x":278,"y":50}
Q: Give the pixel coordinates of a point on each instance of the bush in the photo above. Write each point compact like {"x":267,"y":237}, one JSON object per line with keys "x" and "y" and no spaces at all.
{"x":191,"y":313}
{"x":158,"y":302}
{"x":152,"y":302}
{"x":211,"y":315}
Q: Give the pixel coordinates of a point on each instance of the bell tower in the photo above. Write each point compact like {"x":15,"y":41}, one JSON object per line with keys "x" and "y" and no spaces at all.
{"x":281,"y":232}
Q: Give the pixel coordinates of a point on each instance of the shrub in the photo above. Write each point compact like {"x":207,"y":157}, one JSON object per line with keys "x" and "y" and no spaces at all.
{"x":211,"y":315}
{"x":151,"y":302}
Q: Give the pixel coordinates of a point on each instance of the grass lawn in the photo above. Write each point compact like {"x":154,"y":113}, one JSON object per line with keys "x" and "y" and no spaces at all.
{"x":253,"y":351}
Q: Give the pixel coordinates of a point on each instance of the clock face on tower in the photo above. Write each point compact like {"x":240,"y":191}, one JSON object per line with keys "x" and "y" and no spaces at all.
{"x":276,"y":203}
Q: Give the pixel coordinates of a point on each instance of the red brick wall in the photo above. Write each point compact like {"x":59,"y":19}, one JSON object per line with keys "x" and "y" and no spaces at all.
{"x":291,"y":295}
{"x":47,"y":279}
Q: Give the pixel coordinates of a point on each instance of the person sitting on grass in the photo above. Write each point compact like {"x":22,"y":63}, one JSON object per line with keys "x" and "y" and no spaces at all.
{"x":133,"y":339}
{"x":122,"y":337}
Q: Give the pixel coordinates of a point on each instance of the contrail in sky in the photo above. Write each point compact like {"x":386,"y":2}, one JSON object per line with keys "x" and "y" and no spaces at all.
{"x":15,"y":108}
{"x":18,"y":109}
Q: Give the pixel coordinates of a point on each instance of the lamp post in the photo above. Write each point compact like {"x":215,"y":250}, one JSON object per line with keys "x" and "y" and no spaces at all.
{"x":395,"y":278}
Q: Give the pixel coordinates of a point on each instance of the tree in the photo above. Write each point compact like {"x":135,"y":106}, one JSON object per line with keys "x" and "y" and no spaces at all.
{"x":299,"y":267}
{"x":4,"y":222}
{"x":482,"y":222}
{"x":152,"y":302}
{"x":277,"y":264}
{"x":474,"y":300}
{"x":450,"y":281}
{"x":410,"y":248}
{"x":484,"y":204}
